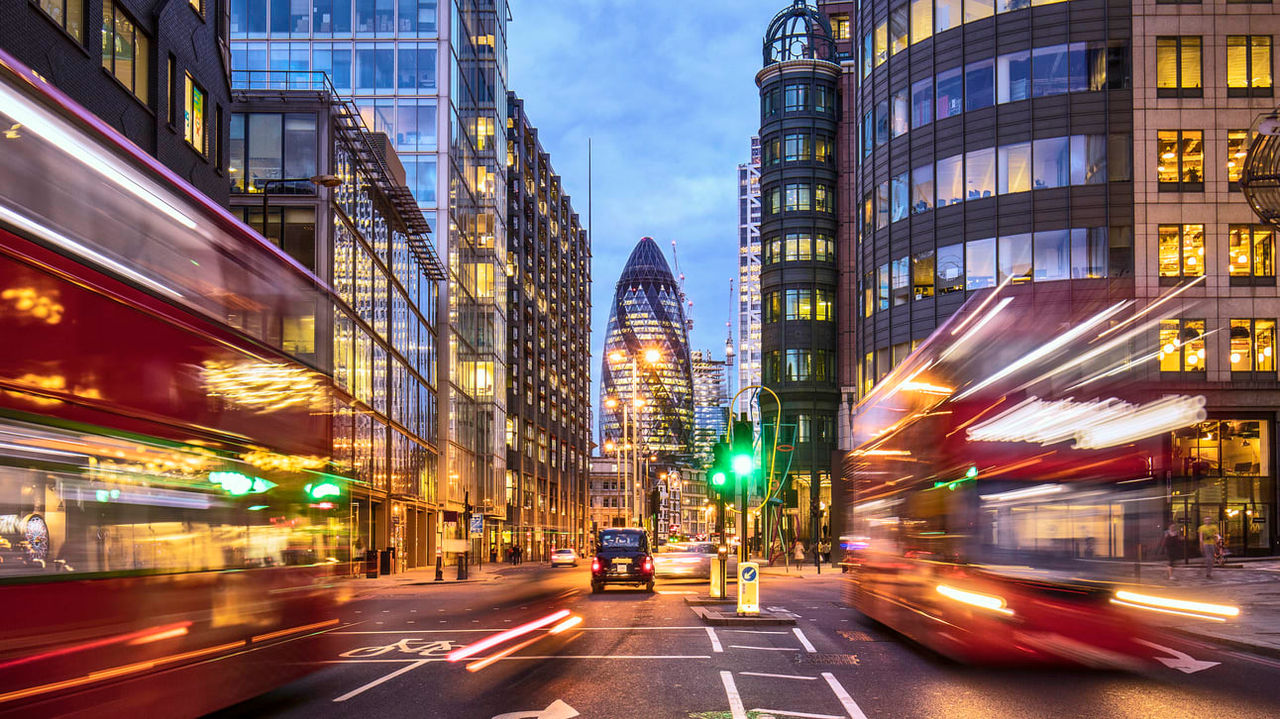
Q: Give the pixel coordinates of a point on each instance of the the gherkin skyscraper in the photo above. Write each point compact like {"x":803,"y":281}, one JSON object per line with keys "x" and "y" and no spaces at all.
{"x":646,"y":357}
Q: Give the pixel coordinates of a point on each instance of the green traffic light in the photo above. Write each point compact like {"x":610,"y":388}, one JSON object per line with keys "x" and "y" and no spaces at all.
{"x":323,"y":489}
{"x":973,"y":472}
{"x":742,"y":464}
{"x":718,"y":479}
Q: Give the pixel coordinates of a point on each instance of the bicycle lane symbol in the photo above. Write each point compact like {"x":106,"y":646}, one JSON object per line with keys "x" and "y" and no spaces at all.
{"x":408,"y":645}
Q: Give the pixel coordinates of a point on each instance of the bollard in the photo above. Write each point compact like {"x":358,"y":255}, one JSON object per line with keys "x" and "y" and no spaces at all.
{"x":439,"y":568}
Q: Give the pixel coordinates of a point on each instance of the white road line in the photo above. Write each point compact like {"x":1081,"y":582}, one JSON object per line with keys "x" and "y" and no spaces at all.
{"x":499,"y":629}
{"x":752,"y":631}
{"x":609,"y":656}
{"x":777,"y":676}
{"x":376,"y":661}
{"x":376,"y":682}
{"x":808,"y":646}
{"x":715,"y":641}
{"x":735,"y":700}
{"x":845,"y":700}
{"x":766,"y":649}
{"x":804,"y":715}
{"x":668,"y":591}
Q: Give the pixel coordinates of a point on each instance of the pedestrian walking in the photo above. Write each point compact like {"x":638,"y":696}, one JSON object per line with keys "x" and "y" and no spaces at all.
{"x":1208,"y":544}
{"x":824,"y":548}
{"x":1171,"y":545}
{"x":797,"y":551}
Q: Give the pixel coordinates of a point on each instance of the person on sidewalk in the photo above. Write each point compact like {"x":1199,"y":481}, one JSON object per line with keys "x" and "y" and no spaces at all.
{"x":797,"y":551}
{"x":1171,"y":545}
{"x":1208,"y":544}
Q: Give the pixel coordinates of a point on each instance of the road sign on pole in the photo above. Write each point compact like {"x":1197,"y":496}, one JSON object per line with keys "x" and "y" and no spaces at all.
{"x":748,"y":589}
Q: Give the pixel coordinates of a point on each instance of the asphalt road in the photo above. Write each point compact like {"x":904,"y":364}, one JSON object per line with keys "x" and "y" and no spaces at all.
{"x":647,"y":655}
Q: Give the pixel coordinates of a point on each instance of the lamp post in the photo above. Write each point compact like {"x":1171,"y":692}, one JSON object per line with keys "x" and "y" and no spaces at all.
{"x":650,"y":356}
{"x":317,"y":180}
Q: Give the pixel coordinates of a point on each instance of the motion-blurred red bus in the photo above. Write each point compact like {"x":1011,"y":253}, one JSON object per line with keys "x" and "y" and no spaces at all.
{"x":1002,"y":484}
{"x":167,"y":525}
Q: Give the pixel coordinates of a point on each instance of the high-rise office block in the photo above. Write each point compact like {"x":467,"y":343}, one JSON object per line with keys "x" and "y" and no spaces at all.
{"x":417,"y":69}
{"x":749,"y":268}
{"x":549,"y":364}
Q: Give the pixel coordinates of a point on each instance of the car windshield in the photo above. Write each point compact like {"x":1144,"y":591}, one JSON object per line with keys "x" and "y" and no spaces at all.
{"x":623,"y":540}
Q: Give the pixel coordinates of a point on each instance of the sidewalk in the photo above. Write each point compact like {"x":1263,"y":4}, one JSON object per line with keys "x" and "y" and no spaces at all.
{"x":425,"y":576}
{"x":1254,"y":588}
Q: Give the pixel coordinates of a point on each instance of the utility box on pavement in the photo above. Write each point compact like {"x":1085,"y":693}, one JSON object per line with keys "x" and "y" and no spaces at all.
{"x":748,"y":588}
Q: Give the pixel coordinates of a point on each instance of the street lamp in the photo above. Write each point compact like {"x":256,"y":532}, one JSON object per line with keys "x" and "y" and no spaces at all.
{"x":265,"y":185}
{"x":650,"y":355}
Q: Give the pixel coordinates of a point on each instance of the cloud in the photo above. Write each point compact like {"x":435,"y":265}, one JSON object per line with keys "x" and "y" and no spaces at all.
{"x":666,"y":91}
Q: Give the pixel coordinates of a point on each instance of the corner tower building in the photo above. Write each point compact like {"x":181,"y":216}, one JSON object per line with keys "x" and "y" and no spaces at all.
{"x":798,"y":124}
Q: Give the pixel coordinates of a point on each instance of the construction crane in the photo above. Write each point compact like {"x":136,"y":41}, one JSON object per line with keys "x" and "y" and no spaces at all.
{"x":728,"y":325}
{"x":684,"y":299}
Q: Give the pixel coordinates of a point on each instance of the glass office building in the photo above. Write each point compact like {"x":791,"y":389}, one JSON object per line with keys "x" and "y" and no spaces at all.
{"x":431,"y":75}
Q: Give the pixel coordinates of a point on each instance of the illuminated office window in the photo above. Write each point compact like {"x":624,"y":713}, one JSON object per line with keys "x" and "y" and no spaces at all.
{"x":1252,"y":251}
{"x":194,"y":115}
{"x":1180,"y":160}
{"x":1237,"y":150}
{"x":66,"y":14}
{"x":1252,"y":345}
{"x":1248,"y":66}
{"x":126,"y":51}
{"x":1181,"y":250}
{"x":1182,"y":345}
{"x":1178,"y":66}
{"x":840,"y":27}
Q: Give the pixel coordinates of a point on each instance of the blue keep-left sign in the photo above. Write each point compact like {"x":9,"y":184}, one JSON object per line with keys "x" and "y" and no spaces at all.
{"x":749,"y":574}
{"x":477,"y":524}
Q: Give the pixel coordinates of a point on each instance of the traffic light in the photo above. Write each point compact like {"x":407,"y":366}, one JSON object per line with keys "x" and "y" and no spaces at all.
{"x":743,"y":459}
{"x":718,"y":472}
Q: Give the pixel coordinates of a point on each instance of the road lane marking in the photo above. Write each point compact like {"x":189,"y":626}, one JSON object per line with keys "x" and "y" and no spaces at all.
{"x":777,"y":676}
{"x":376,"y":682}
{"x":715,"y":641}
{"x":669,"y":591}
{"x":751,"y":631}
{"x":498,"y":629}
{"x":808,"y":646}
{"x":803,"y":715}
{"x":609,"y":656}
{"x":766,"y":649}
{"x":736,"y":707}
{"x":845,"y":700}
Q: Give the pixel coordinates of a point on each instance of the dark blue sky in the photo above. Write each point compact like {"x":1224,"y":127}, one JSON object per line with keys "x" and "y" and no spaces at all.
{"x":666,"y":91}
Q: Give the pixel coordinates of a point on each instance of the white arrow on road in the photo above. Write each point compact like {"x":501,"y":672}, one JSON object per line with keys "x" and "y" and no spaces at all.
{"x":1181,"y":661}
{"x":557,"y":710}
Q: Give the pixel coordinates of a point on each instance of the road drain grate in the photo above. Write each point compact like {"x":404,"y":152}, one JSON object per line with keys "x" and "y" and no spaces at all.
{"x":829,"y":659}
{"x":857,"y":636}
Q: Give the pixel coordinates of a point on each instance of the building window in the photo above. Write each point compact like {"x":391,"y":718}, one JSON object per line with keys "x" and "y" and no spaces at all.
{"x":194,"y":116}
{"x":1181,"y":249}
{"x":950,"y":265}
{"x":1248,"y":66}
{"x":900,"y":113}
{"x":1178,"y":63}
{"x":900,"y":280}
{"x":922,"y":102}
{"x":882,"y":43}
{"x":269,"y":146}
{"x":797,"y":197}
{"x":1182,"y":346}
{"x":125,"y":50}
{"x":947,"y":14}
{"x":922,"y":274}
{"x":66,"y":14}
{"x":921,"y":189}
{"x":797,"y":147}
{"x":840,"y":27}
{"x":795,"y":98}
{"x":1252,"y":252}
{"x":921,"y":20}
{"x":950,"y":93}
{"x":1237,"y":150}
{"x":899,"y":29}
{"x":1180,"y":163}
{"x":1253,"y":344}
{"x":899,"y":190}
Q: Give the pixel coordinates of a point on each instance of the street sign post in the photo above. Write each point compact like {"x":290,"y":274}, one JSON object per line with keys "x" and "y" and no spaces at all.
{"x":748,"y":589}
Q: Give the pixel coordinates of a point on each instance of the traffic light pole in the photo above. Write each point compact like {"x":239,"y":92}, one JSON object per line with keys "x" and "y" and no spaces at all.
{"x":721,"y":557}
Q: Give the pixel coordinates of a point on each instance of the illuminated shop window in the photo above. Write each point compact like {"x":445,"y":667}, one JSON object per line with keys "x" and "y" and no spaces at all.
{"x":1252,"y":251}
{"x":1178,"y":66}
{"x":1182,"y":345}
{"x":1181,"y":250}
{"x":1252,"y":345}
{"x":1237,"y":150}
{"x":1180,"y":160}
{"x":1248,"y":66}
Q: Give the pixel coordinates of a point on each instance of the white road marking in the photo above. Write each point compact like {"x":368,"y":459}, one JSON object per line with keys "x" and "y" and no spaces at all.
{"x":752,"y":631}
{"x":498,"y":629}
{"x":1181,"y":661}
{"x":808,"y":646}
{"x":766,"y":649}
{"x":777,"y":676}
{"x":376,"y":682}
{"x":845,"y":700}
{"x":784,"y":712}
{"x":735,"y":700}
{"x":671,"y":591}
{"x":609,"y":656}
{"x":715,"y":641}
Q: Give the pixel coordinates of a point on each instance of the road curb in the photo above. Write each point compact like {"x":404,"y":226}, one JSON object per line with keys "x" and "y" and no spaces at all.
{"x":704,"y":600}
{"x":1260,"y":650}
{"x":764,"y":619}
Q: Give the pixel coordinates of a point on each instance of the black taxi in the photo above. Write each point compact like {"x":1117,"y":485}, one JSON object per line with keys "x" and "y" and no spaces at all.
{"x":622,"y":557}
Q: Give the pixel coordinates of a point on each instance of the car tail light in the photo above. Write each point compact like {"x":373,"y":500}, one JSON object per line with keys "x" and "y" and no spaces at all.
{"x":648,"y":564}
{"x":595,"y":564}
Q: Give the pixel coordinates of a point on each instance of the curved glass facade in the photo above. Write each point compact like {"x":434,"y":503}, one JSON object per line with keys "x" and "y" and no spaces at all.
{"x":646,"y":315}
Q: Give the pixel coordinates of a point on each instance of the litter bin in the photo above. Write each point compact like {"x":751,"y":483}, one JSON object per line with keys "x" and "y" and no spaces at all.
{"x":385,"y":559}
{"x":371,"y":564}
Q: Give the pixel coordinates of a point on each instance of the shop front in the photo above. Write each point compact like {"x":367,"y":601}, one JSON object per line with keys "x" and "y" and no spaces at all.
{"x":1223,"y":469}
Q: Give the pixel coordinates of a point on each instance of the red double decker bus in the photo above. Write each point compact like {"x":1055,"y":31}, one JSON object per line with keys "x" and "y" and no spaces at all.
{"x":166,"y":495}
{"x":1005,"y":482}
